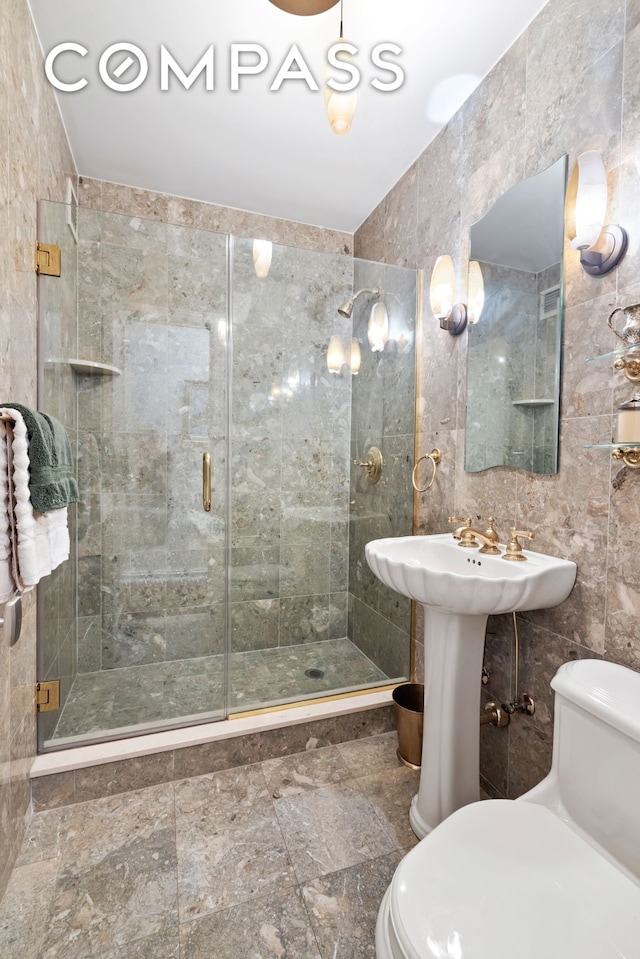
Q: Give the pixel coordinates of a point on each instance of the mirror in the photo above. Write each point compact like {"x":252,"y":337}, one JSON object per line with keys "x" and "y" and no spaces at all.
{"x":513,"y":356}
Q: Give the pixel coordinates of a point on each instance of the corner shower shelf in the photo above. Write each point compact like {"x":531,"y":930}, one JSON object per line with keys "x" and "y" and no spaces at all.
{"x":533,"y":404}
{"x":91,"y":368}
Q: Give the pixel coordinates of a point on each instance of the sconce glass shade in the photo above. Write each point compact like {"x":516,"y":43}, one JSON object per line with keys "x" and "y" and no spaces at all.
{"x":601,"y":246}
{"x":335,"y":355}
{"x":378,"y":327}
{"x":262,"y":253}
{"x":443,"y":286}
{"x":590,"y":200}
{"x":476,"y":292}
{"x":355,"y":358}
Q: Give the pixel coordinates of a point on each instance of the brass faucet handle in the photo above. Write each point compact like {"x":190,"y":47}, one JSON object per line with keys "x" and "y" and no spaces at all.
{"x":491,"y":531}
{"x":514,"y":549}
{"x":467,"y":520}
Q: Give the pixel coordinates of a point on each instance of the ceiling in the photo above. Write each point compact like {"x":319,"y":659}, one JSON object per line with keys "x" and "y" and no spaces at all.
{"x":256,"y":149}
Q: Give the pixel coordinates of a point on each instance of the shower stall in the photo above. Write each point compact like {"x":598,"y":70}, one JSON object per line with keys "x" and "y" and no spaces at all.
{"x":181,"y":373}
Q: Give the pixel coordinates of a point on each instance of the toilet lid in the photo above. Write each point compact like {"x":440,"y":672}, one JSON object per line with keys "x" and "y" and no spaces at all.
{"x":505,"y":877}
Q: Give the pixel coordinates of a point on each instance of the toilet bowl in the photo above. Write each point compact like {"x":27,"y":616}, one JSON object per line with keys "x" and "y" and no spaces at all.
{"x":555,"y":873}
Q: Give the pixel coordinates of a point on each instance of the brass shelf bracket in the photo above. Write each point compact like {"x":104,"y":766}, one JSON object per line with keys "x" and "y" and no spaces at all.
{"x":630,"y":456}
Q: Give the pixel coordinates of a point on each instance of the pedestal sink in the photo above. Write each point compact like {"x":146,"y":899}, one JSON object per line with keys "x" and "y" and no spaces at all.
{"x":458,"y":588}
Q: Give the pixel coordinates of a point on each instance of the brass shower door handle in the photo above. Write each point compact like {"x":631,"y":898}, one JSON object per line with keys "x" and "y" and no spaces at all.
{"x":206,"y":482}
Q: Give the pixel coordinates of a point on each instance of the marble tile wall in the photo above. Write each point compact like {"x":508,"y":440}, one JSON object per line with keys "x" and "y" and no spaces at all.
{"x":34,"y":162}
{"x":535,"y":105}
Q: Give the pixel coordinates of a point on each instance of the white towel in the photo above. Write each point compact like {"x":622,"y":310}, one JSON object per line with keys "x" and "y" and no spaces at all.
{"x":42,"y":538}
{"x":7,"y":584}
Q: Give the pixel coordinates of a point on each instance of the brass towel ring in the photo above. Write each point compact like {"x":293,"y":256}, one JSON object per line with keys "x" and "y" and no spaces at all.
{"x":436,"y":457}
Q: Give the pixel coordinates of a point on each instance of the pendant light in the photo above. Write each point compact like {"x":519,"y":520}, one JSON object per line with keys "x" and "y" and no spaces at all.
{"x":340,"y":105}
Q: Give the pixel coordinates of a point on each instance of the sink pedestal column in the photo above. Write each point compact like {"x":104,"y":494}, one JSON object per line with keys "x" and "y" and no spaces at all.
{"x":450,"y":772}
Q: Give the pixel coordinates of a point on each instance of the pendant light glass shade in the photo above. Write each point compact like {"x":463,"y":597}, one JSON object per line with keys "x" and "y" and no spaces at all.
{"x":335,"y":355}
{"x":262,"y":253}
{"x":442,"y":290}
{"x":476,"y":292}
{"x":590,"y":200}
{"x":341,"y":108}
{"x":378,"y":327}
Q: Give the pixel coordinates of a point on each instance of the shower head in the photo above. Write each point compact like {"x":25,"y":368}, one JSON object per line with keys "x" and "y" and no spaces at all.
{"x":347,"y":307}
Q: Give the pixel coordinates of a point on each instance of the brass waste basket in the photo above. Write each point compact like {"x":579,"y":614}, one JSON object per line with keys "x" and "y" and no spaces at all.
{"x":408,"y":705}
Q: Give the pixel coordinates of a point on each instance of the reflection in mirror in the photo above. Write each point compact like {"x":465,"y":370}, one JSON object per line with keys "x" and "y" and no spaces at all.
{"x":513,"y":357}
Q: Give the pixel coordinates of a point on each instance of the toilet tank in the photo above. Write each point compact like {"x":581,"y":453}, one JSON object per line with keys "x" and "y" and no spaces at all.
{"x":594,"y":781}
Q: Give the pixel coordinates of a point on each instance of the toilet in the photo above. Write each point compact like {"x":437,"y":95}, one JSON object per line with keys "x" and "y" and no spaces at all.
{"x":553,"y":874}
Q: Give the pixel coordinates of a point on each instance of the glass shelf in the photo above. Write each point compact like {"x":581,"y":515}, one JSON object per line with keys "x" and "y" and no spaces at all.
{"x":629,"y":453}
{"x":615,"y":353}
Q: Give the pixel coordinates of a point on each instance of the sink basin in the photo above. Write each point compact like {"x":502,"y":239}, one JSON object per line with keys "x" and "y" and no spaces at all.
{"x":458,"y":588}
{"x":437,"y":572}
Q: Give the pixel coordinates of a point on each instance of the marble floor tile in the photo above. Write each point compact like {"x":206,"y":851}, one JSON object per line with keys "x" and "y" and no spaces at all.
{"x":25,"y":905}
{"x":269,"y":927}
{"x":230,"y":845}
{"x":284,"y":859}
{"x":331,"y":828}
{"x":117,"y":879}
{"x":293,"y":775}
{"x":343,"y":907}
{"x":371,"y":755}
{"x":390,"y":793}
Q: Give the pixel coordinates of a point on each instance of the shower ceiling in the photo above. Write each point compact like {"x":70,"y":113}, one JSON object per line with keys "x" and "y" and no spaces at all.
{"x":254,"y":148}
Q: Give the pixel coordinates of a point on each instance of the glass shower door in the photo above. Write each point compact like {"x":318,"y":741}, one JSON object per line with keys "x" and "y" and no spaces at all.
{"x":149,"y":385}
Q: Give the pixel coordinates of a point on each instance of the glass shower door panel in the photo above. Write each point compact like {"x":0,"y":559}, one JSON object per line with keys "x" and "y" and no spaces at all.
{"x":290,"y":439}
{"x":57,"y":626}
{"x":151,"y":609}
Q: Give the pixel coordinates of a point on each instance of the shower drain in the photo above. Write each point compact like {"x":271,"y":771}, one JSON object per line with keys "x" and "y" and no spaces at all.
{"x":314,"y":673}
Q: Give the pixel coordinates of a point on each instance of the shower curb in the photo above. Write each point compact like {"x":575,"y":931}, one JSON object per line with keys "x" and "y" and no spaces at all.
{"x":105,"y":769}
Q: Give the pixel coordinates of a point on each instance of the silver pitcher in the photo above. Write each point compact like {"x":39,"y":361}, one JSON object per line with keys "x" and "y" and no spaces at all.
{"x":631,"y":330}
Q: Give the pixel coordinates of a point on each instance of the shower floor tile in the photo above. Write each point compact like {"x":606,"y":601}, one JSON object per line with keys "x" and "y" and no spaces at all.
{"x":229,"y":864}
{"x":120,"y":699}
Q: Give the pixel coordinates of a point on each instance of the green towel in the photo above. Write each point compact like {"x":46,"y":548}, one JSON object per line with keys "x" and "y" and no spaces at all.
{"x":52,"y":483}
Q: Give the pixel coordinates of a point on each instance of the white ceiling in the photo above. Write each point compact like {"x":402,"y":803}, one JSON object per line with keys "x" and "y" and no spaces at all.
{"x":270,"y":152}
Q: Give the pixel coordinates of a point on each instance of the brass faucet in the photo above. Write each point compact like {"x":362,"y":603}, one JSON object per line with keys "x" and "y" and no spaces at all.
{"x":468,"y":536}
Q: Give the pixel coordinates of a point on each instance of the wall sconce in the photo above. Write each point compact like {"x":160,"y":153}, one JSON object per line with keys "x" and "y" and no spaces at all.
{"x":262,"y":253}
{"x":451,"y":316}
{"x":601,"y":247}
{"x":378,"y":327}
